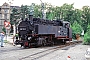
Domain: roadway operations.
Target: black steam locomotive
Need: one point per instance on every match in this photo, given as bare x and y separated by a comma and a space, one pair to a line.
41, 32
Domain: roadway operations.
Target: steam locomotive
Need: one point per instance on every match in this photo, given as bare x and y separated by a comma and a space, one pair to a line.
41, 32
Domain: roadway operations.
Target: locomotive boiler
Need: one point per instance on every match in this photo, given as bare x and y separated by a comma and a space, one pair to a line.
41, 32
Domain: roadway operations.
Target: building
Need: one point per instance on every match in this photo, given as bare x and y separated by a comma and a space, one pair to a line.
5, 11
4, 14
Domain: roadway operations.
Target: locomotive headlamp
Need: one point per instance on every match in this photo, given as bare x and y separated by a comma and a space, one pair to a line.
58, 31
29, 38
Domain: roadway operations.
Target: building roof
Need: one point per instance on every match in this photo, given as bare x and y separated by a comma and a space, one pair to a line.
5, 4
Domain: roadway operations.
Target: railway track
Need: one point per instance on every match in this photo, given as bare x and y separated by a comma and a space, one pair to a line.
48, 51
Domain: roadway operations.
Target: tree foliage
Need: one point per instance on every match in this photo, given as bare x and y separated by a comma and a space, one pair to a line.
87, 36
37, 11
14, 15
86, 17
76, 29
24, 11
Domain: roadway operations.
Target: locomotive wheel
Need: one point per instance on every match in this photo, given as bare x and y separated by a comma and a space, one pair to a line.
52, 43
36, 45
22, 44
44, 43
29, 45
63, 41
26, 44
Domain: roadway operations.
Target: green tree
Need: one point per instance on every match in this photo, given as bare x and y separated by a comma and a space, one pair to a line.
14, 15
77, 16
4, 30
86, 17
50, 11
24, 11
67, 11
87, 36
76, 29
37, 11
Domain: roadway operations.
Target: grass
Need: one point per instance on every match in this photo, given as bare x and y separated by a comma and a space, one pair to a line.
5, 41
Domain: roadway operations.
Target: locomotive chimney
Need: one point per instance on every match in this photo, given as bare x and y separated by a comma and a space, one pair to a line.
30, 17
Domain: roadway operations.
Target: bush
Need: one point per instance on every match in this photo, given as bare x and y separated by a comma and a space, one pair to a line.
76, 29
3, 29
87, 36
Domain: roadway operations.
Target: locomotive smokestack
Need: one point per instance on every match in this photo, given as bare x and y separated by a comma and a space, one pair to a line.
30, 17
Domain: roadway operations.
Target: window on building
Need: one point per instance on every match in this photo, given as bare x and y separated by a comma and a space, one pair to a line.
5, 16
0, 16
0, 9
6, 6
6, 11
